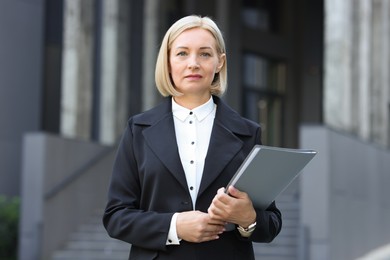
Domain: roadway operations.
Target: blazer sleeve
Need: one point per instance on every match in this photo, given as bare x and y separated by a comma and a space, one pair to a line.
268, 224
269, 221
123, 218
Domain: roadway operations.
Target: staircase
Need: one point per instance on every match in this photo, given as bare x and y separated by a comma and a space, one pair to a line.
91, 241
287, 244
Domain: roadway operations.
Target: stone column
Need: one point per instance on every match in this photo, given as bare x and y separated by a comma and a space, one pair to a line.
114, 69
363, 75
337, 78
357, 67
76, 96
380, 69
386, 74
22, 55
150, 50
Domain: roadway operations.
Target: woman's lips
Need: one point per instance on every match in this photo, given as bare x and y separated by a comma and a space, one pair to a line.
193, 76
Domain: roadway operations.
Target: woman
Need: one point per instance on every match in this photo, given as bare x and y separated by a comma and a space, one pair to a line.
166, 197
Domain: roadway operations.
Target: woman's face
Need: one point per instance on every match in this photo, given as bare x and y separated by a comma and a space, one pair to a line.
194, 61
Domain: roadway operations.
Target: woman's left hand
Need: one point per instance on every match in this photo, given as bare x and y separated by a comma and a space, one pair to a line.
234, 207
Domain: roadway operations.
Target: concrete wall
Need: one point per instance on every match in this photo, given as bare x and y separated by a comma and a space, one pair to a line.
356, 68
345, 195
64, 182
21, 55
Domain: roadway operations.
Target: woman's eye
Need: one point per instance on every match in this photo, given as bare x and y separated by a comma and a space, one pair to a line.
182, 53
205, 54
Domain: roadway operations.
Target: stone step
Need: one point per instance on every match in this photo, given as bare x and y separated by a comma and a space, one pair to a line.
265, 251
91, 228
285, 245
91, 241
97, 245
90, 236
288, 232
290, 205
90, 255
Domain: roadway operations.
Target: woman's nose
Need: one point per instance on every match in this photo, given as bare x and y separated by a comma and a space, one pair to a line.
193, 63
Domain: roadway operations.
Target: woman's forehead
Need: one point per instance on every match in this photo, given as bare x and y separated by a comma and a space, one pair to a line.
194, 36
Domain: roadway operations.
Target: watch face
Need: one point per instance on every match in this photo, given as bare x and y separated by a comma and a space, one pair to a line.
252, 226
246, 232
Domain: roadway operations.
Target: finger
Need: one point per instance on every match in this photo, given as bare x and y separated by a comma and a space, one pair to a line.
235, 192
219, 200
221, 190
212, 232
223, 199
215, 230
217, 221
217, 218
217, 205
213, 212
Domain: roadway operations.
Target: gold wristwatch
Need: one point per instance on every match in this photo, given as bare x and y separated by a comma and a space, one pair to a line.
246, 232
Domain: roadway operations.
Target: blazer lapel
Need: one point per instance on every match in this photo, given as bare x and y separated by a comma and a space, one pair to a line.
224, 143
160, 137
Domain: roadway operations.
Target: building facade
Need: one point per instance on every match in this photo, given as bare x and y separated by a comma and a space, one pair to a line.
88, 65
78, 69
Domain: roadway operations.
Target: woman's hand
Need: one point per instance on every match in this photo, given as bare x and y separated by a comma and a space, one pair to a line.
197, 226
234, 207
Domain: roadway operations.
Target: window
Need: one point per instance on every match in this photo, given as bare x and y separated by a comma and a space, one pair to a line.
264, 83
261, 15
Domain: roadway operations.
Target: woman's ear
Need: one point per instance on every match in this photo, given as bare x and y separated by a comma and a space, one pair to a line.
221, 62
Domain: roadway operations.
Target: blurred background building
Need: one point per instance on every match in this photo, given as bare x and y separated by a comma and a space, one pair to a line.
314, 73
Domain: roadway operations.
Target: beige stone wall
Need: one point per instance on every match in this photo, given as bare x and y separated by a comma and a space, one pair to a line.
76, 94
356, 76
78, 64
114, 70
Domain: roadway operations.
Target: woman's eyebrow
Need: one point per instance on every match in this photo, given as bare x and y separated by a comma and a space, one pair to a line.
201, 48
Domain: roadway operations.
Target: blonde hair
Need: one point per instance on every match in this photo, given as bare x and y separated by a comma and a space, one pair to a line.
162, 76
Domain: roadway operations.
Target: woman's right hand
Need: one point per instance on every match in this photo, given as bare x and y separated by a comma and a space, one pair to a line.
197, 226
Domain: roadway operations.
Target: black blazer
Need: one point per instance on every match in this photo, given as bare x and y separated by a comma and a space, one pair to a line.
148, 186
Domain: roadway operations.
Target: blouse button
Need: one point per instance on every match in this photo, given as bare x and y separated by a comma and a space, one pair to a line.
191, 188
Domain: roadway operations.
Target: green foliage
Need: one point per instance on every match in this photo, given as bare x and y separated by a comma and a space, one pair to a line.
9, 222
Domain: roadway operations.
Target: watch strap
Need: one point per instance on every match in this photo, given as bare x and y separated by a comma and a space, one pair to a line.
246, 232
